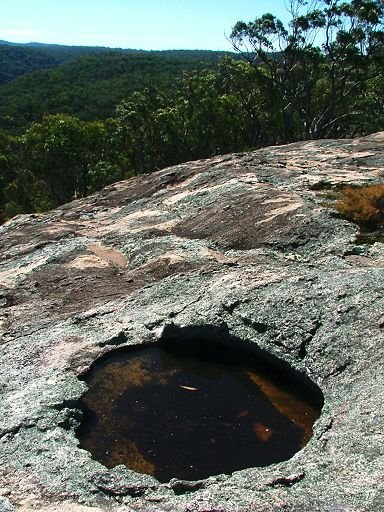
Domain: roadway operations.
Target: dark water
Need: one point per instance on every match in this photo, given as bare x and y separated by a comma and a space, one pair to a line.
172, 415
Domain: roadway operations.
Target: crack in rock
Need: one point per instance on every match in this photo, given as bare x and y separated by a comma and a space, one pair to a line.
286, 481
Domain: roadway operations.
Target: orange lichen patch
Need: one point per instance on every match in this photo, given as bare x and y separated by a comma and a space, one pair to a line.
270, 215
136, 222
107, 254
300, 412
190, 193
262, 432
59, 507
8, 278
87, 261
61, 354
163, 260
216, 256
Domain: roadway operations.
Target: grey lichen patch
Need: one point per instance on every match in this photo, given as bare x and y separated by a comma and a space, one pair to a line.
6, 506
120, 481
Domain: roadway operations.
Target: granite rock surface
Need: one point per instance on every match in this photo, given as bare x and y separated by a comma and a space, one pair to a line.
245, 244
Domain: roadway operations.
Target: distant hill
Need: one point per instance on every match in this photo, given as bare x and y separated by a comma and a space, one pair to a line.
17, 59
20, 59
38, 79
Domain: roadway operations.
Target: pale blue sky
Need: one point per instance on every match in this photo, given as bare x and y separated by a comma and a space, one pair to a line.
139, 24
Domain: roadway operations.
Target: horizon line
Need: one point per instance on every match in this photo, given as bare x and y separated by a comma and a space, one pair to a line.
38, 43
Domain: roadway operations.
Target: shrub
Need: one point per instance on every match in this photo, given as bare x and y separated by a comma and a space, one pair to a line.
363, 205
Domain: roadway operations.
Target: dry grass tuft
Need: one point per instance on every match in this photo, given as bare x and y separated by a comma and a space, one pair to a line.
363, 205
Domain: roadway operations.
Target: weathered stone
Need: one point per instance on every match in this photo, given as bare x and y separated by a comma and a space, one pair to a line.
243, 244
5, 505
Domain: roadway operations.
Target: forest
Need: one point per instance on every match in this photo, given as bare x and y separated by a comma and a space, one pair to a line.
74, 119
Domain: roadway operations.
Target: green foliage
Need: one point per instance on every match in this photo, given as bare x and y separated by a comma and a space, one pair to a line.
206, 113
91, 85
26, 193
371, 104
55, 161
318, 65
209, 114
70, 156
19, 59
7, 173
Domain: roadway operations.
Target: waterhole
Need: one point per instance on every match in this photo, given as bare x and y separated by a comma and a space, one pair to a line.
195, 409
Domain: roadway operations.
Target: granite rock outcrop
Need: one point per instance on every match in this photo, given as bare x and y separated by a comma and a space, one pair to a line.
245, 244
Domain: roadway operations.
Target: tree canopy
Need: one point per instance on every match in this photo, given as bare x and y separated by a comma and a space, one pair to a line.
317, 65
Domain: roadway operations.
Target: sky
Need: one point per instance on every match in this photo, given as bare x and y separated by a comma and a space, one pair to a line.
137, 24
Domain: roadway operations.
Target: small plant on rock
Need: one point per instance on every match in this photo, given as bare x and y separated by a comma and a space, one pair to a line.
363, 205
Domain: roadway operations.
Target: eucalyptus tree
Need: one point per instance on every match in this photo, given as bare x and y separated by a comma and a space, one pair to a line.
316, 66
140, 127
253, 121
206, 113
7, 170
